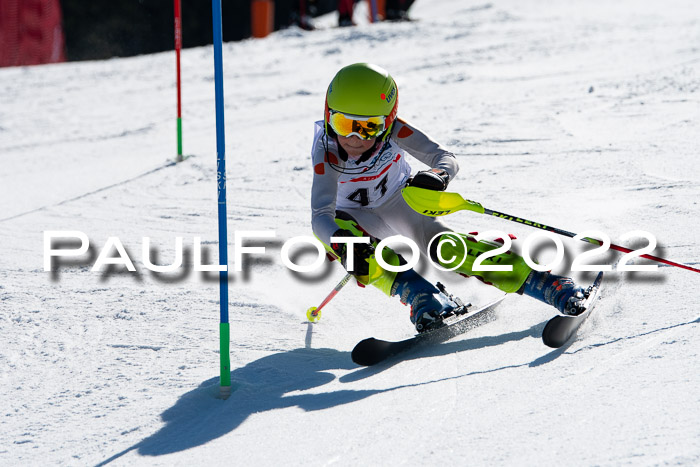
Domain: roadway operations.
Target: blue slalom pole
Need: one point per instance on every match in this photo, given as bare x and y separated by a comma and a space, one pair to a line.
224, 339
373, 11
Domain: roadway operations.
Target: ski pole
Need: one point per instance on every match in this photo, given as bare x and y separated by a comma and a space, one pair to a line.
440, 203
314, 313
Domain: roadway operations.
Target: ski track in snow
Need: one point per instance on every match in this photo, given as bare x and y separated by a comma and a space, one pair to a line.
581, 114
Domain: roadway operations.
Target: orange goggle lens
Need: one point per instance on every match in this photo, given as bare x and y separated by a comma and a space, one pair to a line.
364, 127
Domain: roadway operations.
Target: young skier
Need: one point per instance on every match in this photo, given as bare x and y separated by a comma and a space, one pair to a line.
359, 170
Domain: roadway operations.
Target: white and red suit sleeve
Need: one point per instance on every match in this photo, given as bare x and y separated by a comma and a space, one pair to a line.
424, 148
324, 188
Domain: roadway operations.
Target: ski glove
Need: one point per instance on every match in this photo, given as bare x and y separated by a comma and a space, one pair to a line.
361, 253
434, 179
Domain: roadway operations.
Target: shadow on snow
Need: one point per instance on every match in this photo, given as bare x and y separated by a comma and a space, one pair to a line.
271, 382
199, 416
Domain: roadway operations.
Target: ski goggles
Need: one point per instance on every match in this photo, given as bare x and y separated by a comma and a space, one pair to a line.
364, 127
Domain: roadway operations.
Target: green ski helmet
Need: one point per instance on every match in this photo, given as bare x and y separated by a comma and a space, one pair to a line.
363, 89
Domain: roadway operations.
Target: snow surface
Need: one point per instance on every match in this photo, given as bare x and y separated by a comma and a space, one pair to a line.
585, 115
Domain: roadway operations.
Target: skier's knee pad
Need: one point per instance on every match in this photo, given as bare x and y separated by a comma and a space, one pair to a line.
378, 276
459, 251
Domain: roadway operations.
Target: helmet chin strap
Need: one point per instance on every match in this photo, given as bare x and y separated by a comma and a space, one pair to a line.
371, 151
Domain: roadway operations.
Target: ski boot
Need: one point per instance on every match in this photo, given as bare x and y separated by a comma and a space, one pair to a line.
558, 291
429, 305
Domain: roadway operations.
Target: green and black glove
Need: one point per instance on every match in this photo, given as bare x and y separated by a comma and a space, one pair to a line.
434, 179
361, 253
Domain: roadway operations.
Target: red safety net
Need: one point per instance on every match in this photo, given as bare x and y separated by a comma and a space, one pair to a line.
31, 32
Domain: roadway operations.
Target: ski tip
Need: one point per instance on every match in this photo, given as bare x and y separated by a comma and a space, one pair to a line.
554, 339
365, 352
561, 328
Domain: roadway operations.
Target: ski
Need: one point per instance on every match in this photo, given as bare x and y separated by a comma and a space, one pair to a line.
561, 328
372, 351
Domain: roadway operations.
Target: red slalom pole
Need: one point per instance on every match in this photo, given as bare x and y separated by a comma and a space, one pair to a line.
178, 48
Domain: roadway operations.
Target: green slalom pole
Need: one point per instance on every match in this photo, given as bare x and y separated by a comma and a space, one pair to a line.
180, 158
225, 361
